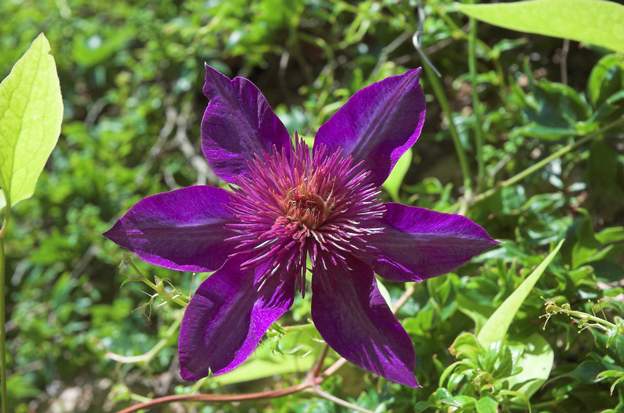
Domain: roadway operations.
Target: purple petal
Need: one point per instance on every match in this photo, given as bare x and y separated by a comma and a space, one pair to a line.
354, 320
227, 317
238, 123
378, 124
181, 230
418, 243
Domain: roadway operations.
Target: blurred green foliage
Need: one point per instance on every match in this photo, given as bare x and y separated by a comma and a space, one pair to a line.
131, 76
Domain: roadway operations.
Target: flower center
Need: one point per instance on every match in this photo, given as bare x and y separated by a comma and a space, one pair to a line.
306, 207
296, 205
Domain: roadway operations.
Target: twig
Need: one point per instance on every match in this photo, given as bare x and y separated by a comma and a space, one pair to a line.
323, 394
389, 48
219, 398
564, 61
95, 111
151, 353
163, 136
204, 174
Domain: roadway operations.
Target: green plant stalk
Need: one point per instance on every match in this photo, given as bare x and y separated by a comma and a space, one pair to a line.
3, 385
588, 317
438, 91
539, 165
531, 169
476, 105
160, 291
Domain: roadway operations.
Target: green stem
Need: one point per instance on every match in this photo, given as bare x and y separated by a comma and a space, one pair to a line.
159, 290
531, 169
3, 384
476, 106
438, 91
584, 316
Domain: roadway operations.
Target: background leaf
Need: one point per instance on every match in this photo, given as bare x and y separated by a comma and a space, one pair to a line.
595, 22
31, 111
497, 325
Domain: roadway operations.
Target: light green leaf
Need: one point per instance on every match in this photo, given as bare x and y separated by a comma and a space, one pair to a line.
384, 292
596, 22
31, 111
606, 78
487, 405
293, 352
394, 181
536, 362
610, 235
497, 325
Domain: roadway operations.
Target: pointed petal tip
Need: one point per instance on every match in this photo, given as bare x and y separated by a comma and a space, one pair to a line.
378, 123
182, 230
237, 124
354, 319
227, 318
411, 382
419, 243
112, 232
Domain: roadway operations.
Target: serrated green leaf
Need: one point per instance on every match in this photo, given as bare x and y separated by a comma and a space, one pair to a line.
596, 22
497, 325
394, 181
31, 111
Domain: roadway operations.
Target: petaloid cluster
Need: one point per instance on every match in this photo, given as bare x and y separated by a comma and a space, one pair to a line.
294, 205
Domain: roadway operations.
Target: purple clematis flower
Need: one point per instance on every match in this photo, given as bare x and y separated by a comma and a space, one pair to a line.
292, 208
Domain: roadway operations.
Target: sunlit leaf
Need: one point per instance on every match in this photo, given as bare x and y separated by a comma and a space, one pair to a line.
31, 111
497, 325
487, 405
606, 78
384, 292
610, 235
596, 22
536, 362
394, 181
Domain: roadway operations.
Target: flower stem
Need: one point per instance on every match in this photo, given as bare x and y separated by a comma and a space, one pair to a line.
438, 91
476, 106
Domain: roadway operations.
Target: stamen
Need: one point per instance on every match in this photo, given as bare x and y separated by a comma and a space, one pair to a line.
295, 205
